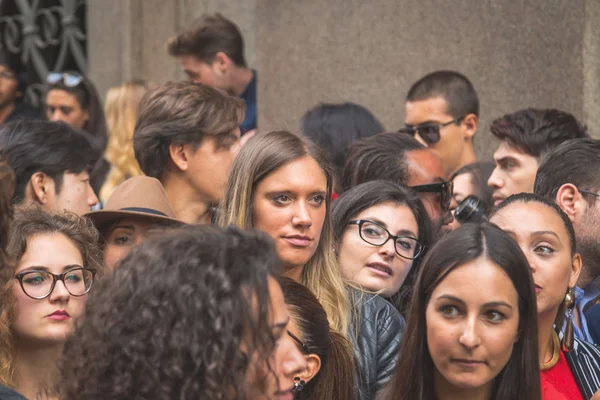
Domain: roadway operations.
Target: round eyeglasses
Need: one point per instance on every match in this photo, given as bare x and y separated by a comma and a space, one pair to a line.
39, 284
373, 233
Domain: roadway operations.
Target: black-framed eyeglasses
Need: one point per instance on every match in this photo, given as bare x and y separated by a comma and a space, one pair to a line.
69, 80
375, 234
444, 188
590, 193
39, 284
430, 133
299, 342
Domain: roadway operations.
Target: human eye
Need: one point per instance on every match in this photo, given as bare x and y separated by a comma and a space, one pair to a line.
449, 311
35, 278
372, 230
66, 110
281, 199
543, 249
495, 316
405, 243
120, 237
318, 199
74, 276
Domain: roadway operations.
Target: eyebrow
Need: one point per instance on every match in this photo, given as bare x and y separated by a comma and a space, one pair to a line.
486, 305
130, 227
280, 326
401, 232
428, 122
42, 268
535, 233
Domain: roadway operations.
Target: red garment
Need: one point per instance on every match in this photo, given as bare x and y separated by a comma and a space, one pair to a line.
558, 382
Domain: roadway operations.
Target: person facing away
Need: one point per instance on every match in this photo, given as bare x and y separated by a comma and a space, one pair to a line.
51, 162
186, 136
526, 136
442, 112
211, 51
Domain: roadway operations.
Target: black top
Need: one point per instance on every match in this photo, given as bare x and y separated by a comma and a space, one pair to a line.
9, 394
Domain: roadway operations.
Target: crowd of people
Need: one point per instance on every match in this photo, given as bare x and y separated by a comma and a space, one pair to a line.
164, 247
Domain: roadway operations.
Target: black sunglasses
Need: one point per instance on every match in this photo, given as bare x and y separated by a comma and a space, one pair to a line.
69, 80
430, 133
443, 188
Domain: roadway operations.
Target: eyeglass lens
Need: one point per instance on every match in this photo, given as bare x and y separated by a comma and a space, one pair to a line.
39, 284
429, 133
376, 235
69, 80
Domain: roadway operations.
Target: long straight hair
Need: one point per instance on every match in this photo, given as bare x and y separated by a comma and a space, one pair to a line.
520, 378
262, 156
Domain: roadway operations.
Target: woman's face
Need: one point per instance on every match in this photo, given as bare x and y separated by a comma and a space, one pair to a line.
542, 236
122, 237
64, 106
289, 205
285, 363
378, 268
470, 332
463, 187
51, 319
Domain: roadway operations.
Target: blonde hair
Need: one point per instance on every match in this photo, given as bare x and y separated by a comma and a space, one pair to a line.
121, 109
259, 158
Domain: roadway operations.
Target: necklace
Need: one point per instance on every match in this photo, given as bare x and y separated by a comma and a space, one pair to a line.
555, 353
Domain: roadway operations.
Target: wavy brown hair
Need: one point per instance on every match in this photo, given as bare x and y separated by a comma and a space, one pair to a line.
171, 322
29, 221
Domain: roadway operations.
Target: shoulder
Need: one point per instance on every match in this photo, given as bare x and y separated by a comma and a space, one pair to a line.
374, 309
9, 394
586, 349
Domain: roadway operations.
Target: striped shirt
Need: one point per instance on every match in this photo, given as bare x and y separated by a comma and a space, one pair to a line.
584, 360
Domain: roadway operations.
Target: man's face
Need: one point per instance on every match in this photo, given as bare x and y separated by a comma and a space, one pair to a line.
75, 195
8, 87
587, 231
453, 137
200, 72
209, 165
425, 167
514, 173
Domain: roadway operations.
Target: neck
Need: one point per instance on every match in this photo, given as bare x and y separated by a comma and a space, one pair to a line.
36, 369
445, 391
240, 79
6, 111
188, 207
545, 328
468, 157
294, 272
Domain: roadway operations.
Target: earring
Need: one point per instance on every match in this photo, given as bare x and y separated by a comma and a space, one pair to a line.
569, 337
298, 384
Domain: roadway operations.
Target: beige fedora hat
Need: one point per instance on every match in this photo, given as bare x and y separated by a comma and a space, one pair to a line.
140, 196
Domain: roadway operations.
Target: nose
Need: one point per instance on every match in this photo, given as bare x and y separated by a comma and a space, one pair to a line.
469, 336
388, 249
302, 215
92, 198
495, 181
60, 293
531, 262
54, 116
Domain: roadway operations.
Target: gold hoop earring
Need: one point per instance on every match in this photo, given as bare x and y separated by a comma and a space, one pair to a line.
569, 337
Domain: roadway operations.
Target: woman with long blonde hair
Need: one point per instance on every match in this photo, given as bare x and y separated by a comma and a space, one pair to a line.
281, 183
121, 111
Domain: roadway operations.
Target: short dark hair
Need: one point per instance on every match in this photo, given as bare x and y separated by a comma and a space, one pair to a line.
208, 35
537, 132
335, 126
480, 173
41, 146
379, 157
200, 293
370, 194
452, 86
181, 113
13, 63
575, 161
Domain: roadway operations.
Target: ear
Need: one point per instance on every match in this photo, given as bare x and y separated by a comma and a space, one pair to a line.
470, 124
179, 155
570, 201
313, 366
40, 189
576, 270
86, 115
221, 62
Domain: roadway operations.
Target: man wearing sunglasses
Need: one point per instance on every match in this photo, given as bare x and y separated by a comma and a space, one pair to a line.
13, 82
442, 111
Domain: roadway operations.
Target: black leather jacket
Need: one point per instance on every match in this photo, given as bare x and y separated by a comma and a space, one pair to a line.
376, 341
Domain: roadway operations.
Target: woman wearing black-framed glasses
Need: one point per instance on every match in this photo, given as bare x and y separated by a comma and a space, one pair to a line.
43, 294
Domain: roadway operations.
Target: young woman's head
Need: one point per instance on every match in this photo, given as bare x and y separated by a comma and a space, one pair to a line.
281, 183
472, 321
121, 108
546, 236
380, 232
56, 258
206, 319
329, 356
73, 99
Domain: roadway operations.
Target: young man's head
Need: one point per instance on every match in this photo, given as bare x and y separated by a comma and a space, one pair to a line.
12, 80
526, 136
442, 111
402, 160
210, 51
51, 163
570, 176
189, 132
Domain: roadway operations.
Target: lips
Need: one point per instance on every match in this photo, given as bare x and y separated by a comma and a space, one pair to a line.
466, 362
538, 288
497, 200
59, 315
298, 240
381, 269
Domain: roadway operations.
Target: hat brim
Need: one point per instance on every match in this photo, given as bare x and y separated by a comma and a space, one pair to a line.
102, 218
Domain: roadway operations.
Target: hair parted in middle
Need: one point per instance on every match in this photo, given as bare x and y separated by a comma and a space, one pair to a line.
520, 377
197, 320
260, 157
181, 113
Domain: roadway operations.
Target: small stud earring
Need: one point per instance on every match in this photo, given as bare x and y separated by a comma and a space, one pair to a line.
298, 384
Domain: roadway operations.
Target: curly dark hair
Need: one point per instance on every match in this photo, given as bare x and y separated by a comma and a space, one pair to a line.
170, 322
7, 188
